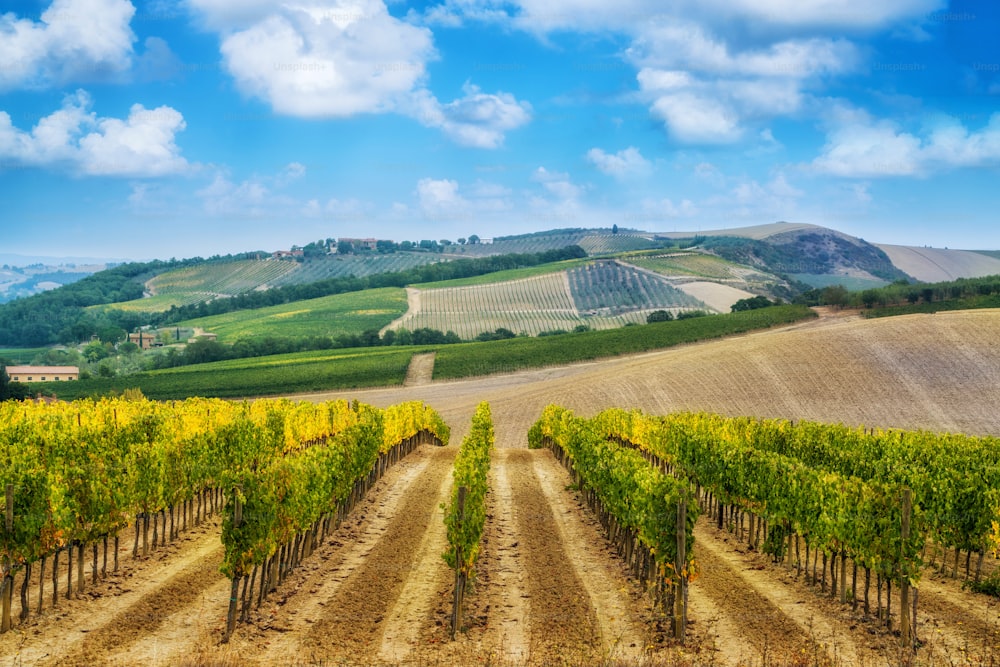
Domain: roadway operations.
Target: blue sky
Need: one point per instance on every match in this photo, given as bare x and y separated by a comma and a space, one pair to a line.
175, 128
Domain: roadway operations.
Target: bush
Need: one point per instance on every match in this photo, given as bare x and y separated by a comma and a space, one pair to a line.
659, 316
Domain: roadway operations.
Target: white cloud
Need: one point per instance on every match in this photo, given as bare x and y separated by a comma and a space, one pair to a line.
328, 60
704, 93
323, 59
76, 139
827, 13
865, 148
557, 184
478, 119
695, 118
621, 164
223, 197
74, 40
293, 171
440, 201
541, 16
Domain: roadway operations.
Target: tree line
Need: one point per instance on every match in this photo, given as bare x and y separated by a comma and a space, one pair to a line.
905, 293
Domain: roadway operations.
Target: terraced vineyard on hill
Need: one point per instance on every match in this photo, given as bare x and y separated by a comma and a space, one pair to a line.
604, 295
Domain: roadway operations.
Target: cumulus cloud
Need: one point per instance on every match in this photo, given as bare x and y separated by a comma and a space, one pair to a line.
74, 40
624, 163
866, 148
440, 201
478, 119
323, 59
76, 139
328, 60
704, 92
557, 184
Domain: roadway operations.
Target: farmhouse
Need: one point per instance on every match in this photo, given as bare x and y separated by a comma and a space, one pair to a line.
43, 373
361, 244
143, 339
287, 254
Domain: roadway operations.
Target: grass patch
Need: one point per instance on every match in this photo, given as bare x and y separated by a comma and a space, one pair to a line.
260, 376
509, 274
819, 281
472, 359
967, 303
21, 355
350, 313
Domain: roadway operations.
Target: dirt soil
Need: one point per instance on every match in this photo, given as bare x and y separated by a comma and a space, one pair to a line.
549, 588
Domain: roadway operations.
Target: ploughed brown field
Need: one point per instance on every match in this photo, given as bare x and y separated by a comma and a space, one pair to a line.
550, 589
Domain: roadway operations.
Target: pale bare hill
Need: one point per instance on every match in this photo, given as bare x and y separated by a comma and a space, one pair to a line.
717, 296
937, 372
938, 265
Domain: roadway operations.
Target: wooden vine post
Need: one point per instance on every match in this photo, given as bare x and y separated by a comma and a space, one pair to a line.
905, 633
234, 593
456, 609
8, 577
680, 564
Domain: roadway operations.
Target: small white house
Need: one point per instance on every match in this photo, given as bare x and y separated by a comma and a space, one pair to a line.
43, 373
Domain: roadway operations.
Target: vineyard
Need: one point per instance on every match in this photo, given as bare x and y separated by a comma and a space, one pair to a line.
77, 474
359, 266
303, 532
608, 288
213, 280
601, 295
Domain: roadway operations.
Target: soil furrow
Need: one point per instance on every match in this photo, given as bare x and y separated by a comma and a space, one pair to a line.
603, 578
412, 612
776, 624
351, 628
144, 618
279, 626
101, 606
561, 616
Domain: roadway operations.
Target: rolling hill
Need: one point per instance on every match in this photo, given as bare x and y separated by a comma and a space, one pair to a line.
711, 270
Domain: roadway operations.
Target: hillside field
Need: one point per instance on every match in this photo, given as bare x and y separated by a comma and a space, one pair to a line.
550, 590
351, 313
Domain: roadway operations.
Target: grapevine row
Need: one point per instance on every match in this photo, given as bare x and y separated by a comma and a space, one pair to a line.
870, 522
465, 516
648, 513
75, 474
955, 478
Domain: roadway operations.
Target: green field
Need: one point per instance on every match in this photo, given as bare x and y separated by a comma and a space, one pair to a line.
21, 355
261, 376
505, 276
506, 356
351, 313
849, 282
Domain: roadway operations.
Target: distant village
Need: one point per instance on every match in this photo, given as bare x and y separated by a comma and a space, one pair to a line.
350, 246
